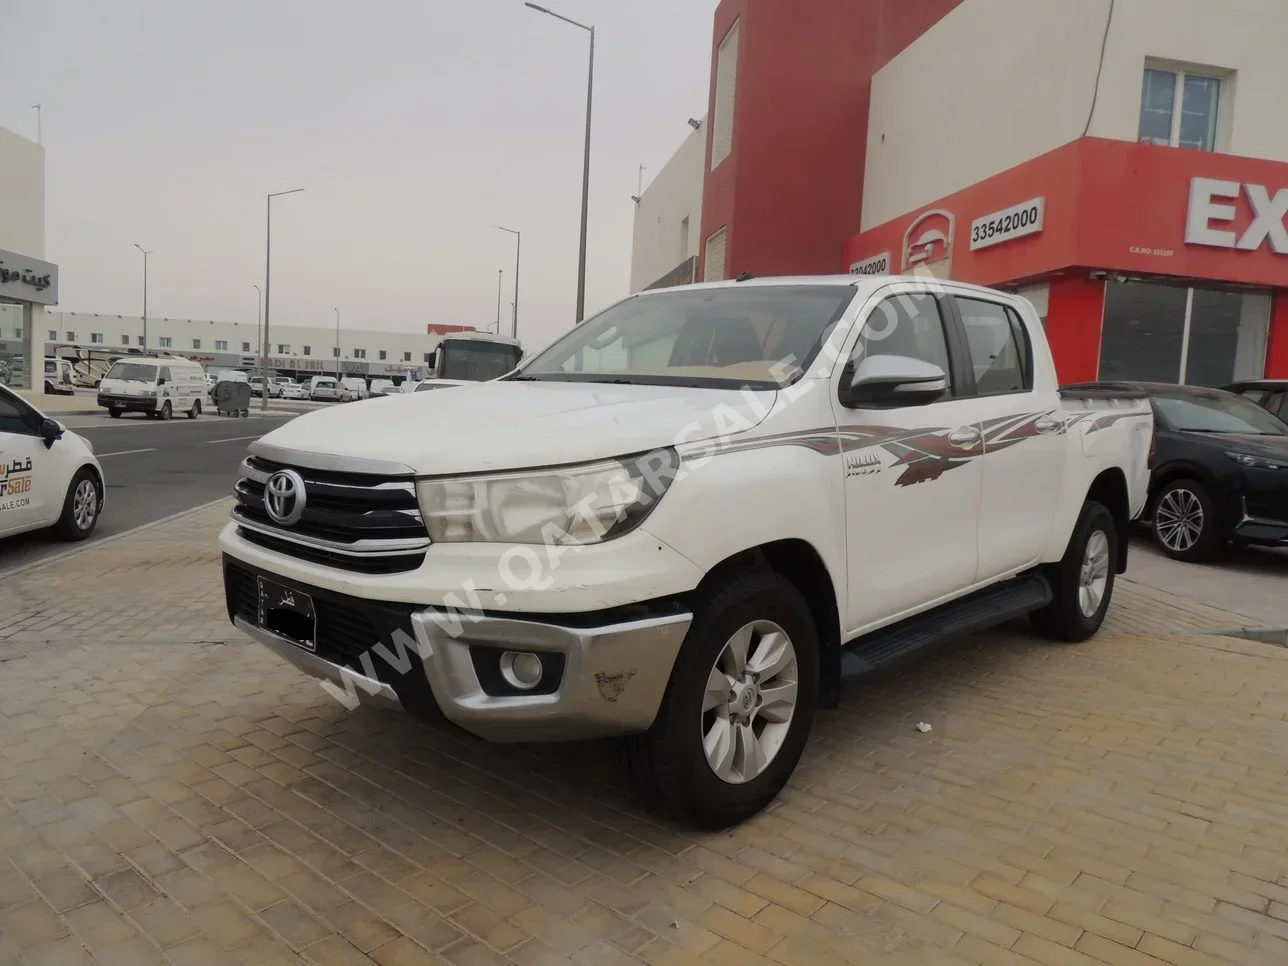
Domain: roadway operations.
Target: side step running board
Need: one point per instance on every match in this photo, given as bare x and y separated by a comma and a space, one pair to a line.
972, 614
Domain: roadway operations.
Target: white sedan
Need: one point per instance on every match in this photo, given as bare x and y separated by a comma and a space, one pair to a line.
48, 474
293, 390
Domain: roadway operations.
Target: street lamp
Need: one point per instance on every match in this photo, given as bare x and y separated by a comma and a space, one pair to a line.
500, 274
585, 174
518, 249
259, 316
268, 288
145, 296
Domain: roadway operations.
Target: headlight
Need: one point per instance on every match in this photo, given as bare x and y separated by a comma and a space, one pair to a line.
1258, 462
147, 392
569, 505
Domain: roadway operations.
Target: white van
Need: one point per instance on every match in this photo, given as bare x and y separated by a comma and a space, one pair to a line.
157, 387
324, 387
353, 388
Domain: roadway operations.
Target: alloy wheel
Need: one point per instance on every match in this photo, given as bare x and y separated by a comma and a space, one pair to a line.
1178, 520
750, 699
1094, 576
85, 504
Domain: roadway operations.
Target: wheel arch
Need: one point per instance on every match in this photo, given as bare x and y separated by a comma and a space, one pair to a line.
1110, 490
801, 563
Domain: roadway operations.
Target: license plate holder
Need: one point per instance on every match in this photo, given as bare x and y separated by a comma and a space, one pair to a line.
288, 613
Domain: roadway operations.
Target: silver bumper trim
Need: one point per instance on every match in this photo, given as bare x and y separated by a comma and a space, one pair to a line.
367, 690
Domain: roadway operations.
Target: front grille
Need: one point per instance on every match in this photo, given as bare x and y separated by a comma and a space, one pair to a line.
351, 521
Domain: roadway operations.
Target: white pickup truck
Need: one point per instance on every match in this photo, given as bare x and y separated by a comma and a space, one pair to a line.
685, 521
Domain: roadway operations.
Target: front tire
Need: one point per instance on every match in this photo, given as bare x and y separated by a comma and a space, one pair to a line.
1184, 522
195, 411
167, 411
738, 708
114, 413
1083, 581
80, 508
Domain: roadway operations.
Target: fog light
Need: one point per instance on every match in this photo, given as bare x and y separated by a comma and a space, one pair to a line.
521, 669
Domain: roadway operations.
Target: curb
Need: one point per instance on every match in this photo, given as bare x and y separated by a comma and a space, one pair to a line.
94, 544
1264, 635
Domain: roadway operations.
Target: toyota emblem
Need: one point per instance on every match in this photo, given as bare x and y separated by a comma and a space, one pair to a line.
284, 497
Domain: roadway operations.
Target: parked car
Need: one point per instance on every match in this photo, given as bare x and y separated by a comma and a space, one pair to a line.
59, 377
836, 472
293, 390
160, 387
324, 389
381, 387
1270, 394
48, 474
257, 387
1220, 472
353, 388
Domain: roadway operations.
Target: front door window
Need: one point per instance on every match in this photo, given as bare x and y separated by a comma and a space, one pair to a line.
1192, 336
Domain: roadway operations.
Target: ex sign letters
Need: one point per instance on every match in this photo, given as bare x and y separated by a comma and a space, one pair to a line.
1212, 203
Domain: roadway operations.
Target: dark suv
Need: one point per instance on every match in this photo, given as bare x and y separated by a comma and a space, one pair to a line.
1220, 472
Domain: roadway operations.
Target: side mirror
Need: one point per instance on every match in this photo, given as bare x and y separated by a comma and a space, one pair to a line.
889, 381
50, 431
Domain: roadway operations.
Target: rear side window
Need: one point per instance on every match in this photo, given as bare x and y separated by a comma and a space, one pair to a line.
1257, 396
1276, 405
999, 347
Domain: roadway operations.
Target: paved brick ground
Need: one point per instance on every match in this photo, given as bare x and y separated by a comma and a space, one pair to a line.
170, 794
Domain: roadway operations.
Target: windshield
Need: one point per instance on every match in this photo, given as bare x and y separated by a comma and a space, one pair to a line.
132, 372
427, 386
760, 336
476, 361
1218, 413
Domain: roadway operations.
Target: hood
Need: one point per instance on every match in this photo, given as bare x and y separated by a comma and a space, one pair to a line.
1269, 446
494, 426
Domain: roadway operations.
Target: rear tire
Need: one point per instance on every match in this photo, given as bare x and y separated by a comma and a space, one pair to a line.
669, 763
1082, 582
195, 411
1184, 522
80, 507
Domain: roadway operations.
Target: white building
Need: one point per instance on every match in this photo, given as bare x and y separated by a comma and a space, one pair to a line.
664, 249
27, 282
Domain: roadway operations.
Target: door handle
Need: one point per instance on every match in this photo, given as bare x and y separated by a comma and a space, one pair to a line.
965, 437
1047, 425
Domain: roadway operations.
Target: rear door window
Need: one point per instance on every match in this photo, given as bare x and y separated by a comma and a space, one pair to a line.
999, 347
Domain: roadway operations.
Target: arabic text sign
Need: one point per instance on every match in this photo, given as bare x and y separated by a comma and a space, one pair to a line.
28, 279
15, 477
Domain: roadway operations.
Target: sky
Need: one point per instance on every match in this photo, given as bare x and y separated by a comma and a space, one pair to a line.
412, 125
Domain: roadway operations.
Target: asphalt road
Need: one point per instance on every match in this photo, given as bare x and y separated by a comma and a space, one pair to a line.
153, 469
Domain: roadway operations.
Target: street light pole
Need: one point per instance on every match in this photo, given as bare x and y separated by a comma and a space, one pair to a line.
518, 250
40, 134
259, 317
337, 346
500, 275
585, 173
268, 289
145, 296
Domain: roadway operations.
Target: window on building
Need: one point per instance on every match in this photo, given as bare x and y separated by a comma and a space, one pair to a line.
308, 350
726, 89
684, 238
335, 352
53, 336
283, 349
221, 345
715, 260
1197, 337
125, 340
245, 347
196, 343
360, 353
165, 342
406, 357
17, 332
999, 347
383, 355
96, 337
1179, 108
71, 336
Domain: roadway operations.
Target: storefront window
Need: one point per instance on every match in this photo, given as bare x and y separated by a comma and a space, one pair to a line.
1167, 333
13, 347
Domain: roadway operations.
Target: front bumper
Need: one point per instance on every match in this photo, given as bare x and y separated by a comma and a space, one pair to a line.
608, 672
133, 404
